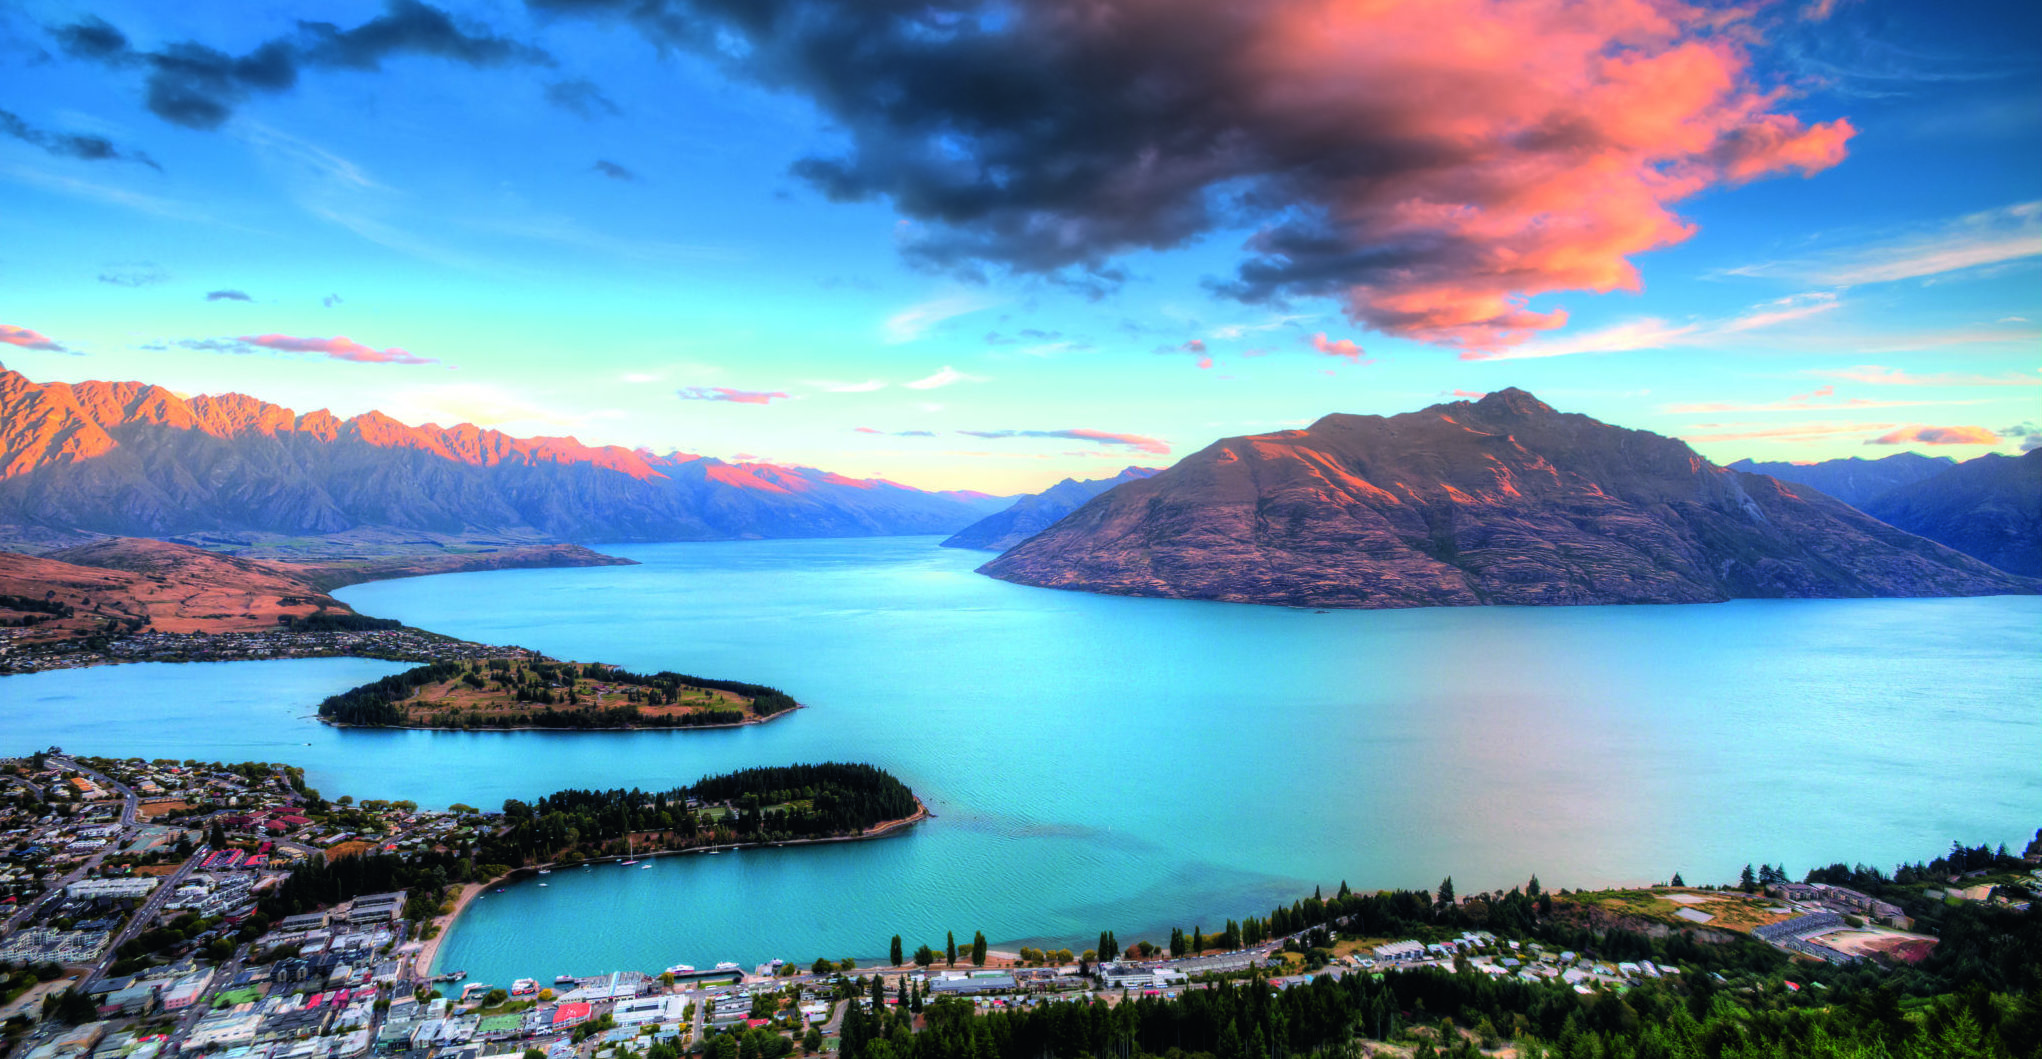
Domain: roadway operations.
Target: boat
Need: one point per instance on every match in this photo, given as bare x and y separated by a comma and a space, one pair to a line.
681, 968
565, 979
641, 867
631, 857
728, 966
542, 884
545, 871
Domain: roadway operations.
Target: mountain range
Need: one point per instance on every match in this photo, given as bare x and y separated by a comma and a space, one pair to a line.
1854, 480
1036, 512
1989, 507
128, 458
1499, 501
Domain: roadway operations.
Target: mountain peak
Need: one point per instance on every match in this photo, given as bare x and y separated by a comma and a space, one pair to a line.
1514, 401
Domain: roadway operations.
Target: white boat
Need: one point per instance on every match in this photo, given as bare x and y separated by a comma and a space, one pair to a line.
545, 871
542, 884
681, 968
641, 867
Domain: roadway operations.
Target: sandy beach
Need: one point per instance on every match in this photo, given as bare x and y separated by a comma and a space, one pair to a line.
446, 923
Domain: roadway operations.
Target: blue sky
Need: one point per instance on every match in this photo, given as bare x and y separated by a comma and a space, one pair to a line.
594, 218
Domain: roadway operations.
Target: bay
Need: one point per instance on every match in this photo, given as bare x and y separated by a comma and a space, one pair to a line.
1108, 763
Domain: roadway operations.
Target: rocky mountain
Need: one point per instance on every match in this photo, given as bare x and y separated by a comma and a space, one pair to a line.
128, 458
1989, 508
1855, 480
1034, 513
1501, 501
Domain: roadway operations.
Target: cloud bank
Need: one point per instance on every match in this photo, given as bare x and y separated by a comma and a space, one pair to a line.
1431, 181
337, 348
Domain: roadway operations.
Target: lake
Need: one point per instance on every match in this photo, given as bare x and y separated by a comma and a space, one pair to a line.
1131, 764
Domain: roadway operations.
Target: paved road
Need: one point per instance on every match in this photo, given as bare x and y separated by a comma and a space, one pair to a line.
143, 916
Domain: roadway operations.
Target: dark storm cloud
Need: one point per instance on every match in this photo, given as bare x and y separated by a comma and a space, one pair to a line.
228, 296
579, 95
198, 86
1433, 181
613, 170
70, 144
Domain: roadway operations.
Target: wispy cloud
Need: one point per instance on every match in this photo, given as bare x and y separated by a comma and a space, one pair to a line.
141, 274
829, 386
916, 320
613, 170
25, 338
1878, 375
726, 394
894, 433
1795, 432
1937, 436
228, 296
1988, 238
944, 377
1652, 333
337, 348
1139, 442
1813, 401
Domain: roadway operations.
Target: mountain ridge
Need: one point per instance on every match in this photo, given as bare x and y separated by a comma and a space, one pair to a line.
1501, 501
1989, 508
134, 459
1036, 512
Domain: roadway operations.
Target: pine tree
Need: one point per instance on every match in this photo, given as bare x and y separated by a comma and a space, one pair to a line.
978, 949
1747, 880
1677, 881
1446, 892
950, 948
894, 951
1531, 889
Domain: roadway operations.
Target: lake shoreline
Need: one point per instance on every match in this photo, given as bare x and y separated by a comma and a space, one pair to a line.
447, 923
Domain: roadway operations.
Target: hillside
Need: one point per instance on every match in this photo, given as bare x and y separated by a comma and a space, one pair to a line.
150, 584
1989, 508
1501, 501
126, 585
1854, 480
1034, 513
130, 459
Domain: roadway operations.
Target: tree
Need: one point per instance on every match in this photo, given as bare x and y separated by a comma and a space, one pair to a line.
821, 966
894, 952
950, 948
1446, 892
1747, 880
925, 956
978, 949
494, 998
1677, 880
1531, 889
811, 1042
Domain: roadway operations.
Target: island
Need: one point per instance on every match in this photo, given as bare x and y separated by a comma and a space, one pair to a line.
531, 691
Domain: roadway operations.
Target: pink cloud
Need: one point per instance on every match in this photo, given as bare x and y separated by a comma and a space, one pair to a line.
1205, 362
1470, 395
1546, 149
338, 348
726, 394
1139, 442
867, 430
1937, 436
28, 339
1345, 347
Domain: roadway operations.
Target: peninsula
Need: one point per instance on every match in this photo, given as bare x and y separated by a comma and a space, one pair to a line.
128, 599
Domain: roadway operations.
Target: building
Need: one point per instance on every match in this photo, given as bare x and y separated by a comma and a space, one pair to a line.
570, 1015
118, 889
638, 1012
1398, 951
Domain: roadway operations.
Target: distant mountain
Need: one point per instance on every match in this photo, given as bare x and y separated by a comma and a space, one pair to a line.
1855, 480
132, 459
1502, 501
1032, 514
1989, 508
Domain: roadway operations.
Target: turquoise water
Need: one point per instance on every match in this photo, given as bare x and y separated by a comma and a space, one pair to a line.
1099, 763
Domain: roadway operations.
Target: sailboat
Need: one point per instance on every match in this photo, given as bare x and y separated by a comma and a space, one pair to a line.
631, 857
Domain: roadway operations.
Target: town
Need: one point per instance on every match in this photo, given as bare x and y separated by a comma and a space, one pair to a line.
161, 908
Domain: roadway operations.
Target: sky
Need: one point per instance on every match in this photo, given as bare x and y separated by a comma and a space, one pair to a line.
989, 245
